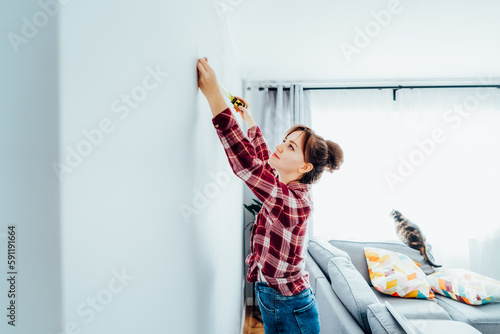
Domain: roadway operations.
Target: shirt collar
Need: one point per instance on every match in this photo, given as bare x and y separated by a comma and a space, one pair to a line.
294, 185
299, 186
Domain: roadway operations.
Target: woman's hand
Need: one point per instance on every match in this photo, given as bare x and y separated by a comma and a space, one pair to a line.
244, 112
207, 81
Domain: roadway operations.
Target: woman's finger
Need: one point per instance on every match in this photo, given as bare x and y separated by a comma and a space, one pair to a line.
201, 67
239, 98
205, 63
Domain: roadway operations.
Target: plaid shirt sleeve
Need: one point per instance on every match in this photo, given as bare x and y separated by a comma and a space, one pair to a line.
249, 161
257, 139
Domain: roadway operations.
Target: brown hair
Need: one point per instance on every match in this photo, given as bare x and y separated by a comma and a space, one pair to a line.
322, 154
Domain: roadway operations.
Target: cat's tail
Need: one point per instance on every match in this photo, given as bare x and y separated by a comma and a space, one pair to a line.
423, 250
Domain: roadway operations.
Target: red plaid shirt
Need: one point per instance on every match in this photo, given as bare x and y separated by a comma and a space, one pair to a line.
278, 235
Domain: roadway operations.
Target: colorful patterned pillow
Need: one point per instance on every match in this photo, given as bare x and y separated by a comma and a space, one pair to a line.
465, 286
396, 274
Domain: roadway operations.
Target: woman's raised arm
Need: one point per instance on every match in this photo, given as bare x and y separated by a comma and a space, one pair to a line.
207, 81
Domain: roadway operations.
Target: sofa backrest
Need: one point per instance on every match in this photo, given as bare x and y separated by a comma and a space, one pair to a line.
322, 251
356, 252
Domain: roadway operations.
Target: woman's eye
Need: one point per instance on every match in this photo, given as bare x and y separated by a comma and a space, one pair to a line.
288, 145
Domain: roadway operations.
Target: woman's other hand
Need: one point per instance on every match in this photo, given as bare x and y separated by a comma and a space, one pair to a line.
245, 113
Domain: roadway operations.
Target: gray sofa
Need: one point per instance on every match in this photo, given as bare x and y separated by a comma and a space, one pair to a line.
348, 303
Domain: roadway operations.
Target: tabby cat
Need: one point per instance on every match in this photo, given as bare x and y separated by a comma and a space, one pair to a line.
410, 234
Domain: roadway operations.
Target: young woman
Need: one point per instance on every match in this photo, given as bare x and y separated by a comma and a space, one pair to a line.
282, 182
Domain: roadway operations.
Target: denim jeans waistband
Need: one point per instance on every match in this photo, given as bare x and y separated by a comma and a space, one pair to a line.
263, 286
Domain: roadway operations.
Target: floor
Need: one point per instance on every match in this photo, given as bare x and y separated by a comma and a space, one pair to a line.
253, 322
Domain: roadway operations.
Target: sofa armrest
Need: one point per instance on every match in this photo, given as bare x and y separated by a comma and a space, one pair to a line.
334, 317
314, 271
381, 320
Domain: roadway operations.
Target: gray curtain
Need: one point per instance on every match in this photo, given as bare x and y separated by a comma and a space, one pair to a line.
277, 111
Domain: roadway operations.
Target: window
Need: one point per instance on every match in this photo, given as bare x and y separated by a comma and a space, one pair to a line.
433, 154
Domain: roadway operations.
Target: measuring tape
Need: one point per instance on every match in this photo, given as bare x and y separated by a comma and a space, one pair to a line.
236, 102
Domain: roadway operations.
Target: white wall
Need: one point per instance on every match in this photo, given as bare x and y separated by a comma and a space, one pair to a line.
130, 261
29, 192
366, 39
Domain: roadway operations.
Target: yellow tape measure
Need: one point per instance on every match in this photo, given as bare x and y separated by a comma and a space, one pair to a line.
236, 102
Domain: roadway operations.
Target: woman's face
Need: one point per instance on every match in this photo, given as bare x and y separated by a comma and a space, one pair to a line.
289, 157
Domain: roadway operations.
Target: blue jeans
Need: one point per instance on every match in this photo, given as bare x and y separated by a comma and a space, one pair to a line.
297, 314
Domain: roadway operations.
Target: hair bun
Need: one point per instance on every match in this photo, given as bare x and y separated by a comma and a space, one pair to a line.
335, 156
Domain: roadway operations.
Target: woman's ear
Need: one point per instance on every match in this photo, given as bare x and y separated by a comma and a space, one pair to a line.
306, 168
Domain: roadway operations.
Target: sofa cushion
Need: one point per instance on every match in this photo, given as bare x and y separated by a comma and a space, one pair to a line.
322, 252
414, 308
351, 289
465, 286
396, 274
485, 318
443, 326
429, 326
356, 252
